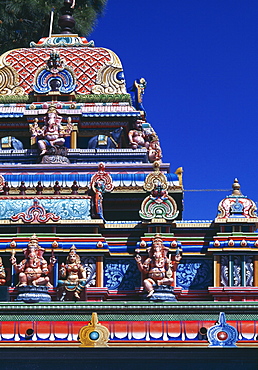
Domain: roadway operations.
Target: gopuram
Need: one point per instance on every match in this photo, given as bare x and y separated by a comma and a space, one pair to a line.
94, 250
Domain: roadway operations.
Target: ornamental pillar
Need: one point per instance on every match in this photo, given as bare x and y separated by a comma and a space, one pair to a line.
99, 272
74, 135
217, 269
255, 273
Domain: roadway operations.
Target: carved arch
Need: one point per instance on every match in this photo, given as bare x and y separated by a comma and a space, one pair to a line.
9, 78
107, 81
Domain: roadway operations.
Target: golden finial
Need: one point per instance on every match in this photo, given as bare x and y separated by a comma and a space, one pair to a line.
236, 188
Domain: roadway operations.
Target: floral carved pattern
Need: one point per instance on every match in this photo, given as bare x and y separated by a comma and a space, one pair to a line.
110, 78
89, 265
9, 79
121, 274
35, 213
155, 178
194, 274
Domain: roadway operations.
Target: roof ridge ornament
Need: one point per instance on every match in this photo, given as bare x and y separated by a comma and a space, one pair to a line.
158, 205
62, 41
55, 77
155, 178
66, 21
236, 188
222, 334
66, 37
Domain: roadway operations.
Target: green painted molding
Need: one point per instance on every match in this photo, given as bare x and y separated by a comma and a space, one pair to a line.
88, 98
103, 98
11, 99
128, 311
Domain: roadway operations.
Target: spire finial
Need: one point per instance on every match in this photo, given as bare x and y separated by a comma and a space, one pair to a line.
66, 20
236, 188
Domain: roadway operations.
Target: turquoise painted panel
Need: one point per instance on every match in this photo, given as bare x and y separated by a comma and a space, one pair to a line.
66, 209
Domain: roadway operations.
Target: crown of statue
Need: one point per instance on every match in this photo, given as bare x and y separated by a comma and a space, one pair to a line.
52, 109
157, 238
154, 137
34, 237
73, 249
54, 54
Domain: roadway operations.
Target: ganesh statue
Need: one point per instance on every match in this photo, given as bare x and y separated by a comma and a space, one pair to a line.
33, 273
158, 270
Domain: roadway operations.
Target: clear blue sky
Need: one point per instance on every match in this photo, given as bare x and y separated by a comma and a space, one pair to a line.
200, 59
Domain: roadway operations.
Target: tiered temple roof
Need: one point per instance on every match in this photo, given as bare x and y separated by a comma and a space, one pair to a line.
96, 191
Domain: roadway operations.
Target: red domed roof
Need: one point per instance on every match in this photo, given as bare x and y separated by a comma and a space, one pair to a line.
96, 69
86, 62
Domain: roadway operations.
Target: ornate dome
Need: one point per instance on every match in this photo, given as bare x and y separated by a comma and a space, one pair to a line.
89, 69
236, 205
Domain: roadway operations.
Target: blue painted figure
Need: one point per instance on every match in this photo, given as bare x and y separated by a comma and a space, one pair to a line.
10, 142
136, 92
99, 189
106, 142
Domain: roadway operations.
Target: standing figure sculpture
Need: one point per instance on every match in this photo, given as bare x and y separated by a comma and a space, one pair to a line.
34, 269
99, 190
2, 273
52, 134
72, 274
158, 267
137, 91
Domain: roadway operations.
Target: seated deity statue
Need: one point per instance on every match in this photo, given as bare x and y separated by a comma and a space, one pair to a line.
137, 136
158, 194
141, 137
34, 269
72, 274
52, 133
158, 268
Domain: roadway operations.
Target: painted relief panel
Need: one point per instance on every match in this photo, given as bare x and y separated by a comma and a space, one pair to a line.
121, 274
66, 209
237, 270
138, 331
194, 274
89, 265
